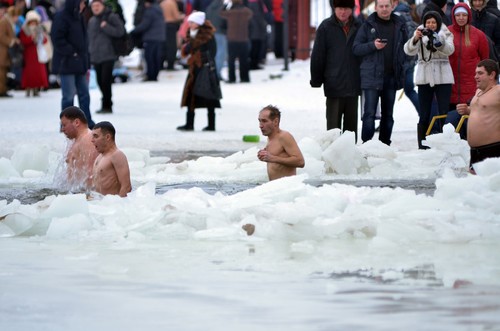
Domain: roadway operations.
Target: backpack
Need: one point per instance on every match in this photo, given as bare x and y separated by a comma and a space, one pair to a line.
123, 45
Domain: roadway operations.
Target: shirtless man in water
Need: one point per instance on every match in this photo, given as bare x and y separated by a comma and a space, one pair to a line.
111, 173
81, 153
281, 153
483, 128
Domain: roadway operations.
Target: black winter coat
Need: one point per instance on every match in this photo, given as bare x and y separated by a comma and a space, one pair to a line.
372, 62
69, 37
333, 64
489, 24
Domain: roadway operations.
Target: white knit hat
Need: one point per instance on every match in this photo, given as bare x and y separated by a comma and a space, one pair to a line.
460, 10
32, 16
197, 17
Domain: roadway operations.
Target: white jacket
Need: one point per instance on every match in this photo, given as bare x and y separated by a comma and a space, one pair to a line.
437, 70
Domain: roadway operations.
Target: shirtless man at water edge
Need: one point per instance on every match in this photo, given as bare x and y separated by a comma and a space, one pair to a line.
483, 128
282, 154
81, 153
111, 173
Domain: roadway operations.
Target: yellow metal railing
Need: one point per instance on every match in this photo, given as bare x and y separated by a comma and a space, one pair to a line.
434, 118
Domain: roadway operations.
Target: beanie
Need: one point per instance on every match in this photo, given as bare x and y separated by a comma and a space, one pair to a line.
197, 17
439, 3
343, 4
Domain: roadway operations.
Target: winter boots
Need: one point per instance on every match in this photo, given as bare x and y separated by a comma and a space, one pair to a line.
189, 126
421, 130
211, 120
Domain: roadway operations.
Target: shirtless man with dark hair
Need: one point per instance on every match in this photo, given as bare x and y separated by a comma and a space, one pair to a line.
483, 128
282, 154
81, 152
111, 173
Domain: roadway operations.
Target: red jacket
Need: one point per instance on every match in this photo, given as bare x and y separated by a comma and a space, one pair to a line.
465, 58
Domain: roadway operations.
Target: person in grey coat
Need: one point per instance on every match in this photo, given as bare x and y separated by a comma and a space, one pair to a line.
102, 27
152, 30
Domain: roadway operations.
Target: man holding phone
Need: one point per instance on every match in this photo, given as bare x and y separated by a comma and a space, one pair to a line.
379, 42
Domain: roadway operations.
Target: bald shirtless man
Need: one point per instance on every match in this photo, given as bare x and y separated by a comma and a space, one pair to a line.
111, 173
483, 128
281, 153
81, 153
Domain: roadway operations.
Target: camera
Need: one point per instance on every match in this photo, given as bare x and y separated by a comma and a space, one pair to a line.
433, 39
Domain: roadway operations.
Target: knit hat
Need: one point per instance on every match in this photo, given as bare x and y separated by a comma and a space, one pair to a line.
436, 16
101, 1
439, 3
32, 16
343, 4
459, 10
197, 17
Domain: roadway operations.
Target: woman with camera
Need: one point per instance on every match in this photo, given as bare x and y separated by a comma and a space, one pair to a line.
433, 43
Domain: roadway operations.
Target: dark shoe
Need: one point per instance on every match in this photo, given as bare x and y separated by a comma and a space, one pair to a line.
104, 111
208, 128
36, 92
230, 82
185, 128
5, 95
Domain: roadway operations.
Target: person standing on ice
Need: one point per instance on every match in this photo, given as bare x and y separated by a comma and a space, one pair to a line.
483, 128
81, 153
282, 154
111, 174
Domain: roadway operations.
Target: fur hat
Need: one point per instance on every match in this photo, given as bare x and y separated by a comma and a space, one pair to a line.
439, 3
343, 3
197, 17
32, 16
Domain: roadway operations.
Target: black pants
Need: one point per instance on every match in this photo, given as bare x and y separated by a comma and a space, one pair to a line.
346, 108
480, 153
171, 44
153, 56
238, 50
104, 77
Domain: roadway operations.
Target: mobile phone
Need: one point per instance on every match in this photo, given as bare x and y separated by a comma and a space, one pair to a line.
383, 41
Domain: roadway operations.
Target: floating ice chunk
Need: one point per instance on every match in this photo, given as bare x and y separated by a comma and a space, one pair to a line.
67, 205
310, 148
7, 169
376, 148
137, 158
327, 138
68, 226
33, 157
343, 157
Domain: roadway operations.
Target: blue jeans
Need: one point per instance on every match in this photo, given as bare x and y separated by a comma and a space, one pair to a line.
454, 117
72, 85
220, 56
387, 97
409, 88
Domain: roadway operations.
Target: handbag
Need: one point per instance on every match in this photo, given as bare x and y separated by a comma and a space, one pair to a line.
43, 57
206, 84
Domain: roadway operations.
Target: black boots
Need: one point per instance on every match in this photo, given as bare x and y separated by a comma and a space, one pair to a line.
211, 120
421, 130
189, 126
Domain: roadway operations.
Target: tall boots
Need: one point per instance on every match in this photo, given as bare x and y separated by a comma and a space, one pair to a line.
421, 130
189, 126
211, 120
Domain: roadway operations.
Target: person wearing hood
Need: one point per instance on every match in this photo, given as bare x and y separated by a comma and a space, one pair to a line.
7, 40
34, 75
492, 7
200, 49
71, 58
440, 7
486, 22
152, 30
103, 26
471, 46
432, 42
334, 66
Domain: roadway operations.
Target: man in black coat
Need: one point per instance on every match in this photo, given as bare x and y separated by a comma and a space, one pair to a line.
486, 22
71, 58
334, 66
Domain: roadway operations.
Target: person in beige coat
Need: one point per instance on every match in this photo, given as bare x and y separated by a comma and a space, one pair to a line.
433, 43
7, 40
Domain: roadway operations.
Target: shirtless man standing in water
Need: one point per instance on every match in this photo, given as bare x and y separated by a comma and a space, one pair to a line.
111, 173
483, 128
281, 153
81, 153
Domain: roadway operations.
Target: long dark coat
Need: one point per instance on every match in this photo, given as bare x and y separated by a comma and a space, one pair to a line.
198, 49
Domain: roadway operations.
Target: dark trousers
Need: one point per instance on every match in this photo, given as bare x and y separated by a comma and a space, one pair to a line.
426, 95
238, 50
387, 97
255, 53
278, 40
104, 77
153, 57
171, 44
3, 80
346, 108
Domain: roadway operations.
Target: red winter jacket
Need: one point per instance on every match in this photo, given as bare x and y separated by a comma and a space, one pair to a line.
465, 58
